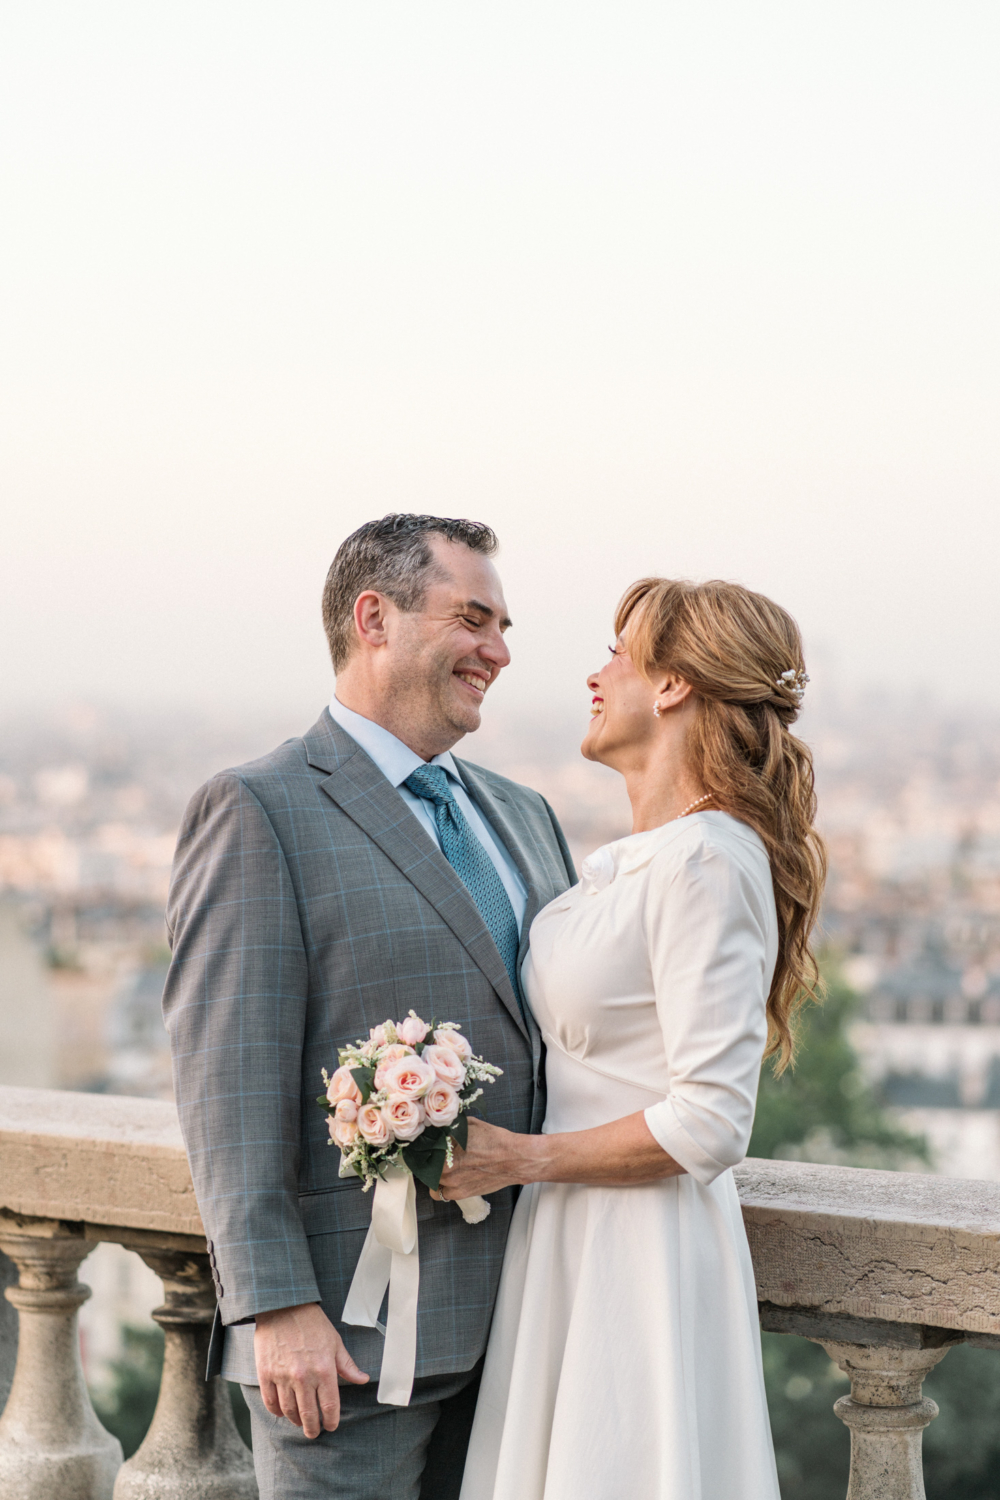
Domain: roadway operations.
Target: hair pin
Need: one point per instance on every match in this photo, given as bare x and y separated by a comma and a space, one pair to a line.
793, 681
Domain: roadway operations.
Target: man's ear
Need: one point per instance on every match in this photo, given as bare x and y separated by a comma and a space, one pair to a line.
370, 611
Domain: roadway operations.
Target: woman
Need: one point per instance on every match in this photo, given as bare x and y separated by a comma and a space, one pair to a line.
625, 1355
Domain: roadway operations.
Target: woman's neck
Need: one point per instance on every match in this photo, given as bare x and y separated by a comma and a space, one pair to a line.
660, 789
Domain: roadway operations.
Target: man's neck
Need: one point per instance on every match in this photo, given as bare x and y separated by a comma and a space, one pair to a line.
424, 744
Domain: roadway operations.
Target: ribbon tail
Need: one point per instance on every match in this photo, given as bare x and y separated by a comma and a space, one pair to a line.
390, 1257
371, 1277
399, 1359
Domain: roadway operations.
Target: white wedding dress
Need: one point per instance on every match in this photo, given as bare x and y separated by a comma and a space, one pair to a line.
624, 1361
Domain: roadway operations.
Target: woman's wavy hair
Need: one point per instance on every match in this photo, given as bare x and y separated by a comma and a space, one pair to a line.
733, 647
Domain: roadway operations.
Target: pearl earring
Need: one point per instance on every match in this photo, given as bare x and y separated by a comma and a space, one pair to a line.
657, 710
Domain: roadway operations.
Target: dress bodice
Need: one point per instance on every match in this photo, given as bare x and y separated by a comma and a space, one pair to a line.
649, 981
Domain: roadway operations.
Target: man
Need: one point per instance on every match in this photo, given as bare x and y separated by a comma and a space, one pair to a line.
347, 877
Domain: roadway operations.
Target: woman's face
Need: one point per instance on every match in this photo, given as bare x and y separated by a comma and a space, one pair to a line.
622, 715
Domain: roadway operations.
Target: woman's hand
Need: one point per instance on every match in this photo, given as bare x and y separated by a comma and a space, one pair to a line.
494, 1159
621, 1154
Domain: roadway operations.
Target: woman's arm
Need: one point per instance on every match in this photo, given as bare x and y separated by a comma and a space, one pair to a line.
616, 1155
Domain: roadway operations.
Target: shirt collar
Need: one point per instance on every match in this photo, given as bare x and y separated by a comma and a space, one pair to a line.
395, 760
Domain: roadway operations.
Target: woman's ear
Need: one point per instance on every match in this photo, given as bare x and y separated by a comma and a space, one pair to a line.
671, 690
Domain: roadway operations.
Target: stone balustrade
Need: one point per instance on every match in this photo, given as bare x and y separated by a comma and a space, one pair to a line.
76, 1169
886, 1270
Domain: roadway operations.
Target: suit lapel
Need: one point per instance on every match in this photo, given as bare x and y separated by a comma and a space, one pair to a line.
360, 790
512, 829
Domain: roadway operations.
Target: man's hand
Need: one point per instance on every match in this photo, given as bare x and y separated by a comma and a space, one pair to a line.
300, 1356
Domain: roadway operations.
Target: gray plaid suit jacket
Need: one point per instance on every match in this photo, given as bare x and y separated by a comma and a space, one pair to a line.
307, 904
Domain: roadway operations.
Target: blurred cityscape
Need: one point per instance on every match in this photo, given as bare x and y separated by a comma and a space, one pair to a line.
90, 801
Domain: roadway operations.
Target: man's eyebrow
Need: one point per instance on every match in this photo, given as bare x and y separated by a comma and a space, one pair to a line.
485, 609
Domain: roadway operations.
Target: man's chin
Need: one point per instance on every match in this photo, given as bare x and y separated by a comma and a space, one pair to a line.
465, 717
468, 721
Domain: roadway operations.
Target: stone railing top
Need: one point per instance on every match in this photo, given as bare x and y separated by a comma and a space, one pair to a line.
890, 1246
859, 1195
899, 1247
95, 1158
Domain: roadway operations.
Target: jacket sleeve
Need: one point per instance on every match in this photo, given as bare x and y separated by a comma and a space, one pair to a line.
234, 1006
707, 927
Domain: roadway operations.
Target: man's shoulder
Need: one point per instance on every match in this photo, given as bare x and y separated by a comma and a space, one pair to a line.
306, 756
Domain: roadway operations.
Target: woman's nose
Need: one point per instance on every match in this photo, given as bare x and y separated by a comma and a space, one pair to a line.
592, 682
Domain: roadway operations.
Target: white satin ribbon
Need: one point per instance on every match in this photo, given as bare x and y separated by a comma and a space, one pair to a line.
390, 1257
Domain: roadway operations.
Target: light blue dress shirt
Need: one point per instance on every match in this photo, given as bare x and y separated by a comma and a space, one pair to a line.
396, 761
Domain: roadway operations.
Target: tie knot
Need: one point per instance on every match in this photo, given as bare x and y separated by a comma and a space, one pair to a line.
430, 782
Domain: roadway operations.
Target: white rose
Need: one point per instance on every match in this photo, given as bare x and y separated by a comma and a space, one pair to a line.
455, 1040
413, 1030
404, 1117
409, 1076
390, 1055
441, 1104
372, 1126
446, 1063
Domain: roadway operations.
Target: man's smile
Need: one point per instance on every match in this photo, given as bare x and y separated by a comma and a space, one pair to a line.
477, 681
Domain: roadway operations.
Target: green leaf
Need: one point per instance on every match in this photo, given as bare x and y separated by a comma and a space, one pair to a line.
428, 1170
425, 1156
365, 1079
322, 1099
459, 1131
429, 1140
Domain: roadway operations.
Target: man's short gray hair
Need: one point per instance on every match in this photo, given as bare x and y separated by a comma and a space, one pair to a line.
392, 557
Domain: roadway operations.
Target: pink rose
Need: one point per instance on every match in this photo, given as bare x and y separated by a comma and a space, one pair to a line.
344, 1133
377, 1036
446, 1063
413, 1030
372, 1126
455, 1040
392, 1054
409, 1076
404, 1117
342, 1086
441, 1103
346, 1110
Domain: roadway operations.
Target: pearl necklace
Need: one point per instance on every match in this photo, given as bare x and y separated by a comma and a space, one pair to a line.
692, 805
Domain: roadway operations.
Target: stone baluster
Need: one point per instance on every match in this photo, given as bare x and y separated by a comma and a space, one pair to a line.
51, 1442
192, 1450
886, 1413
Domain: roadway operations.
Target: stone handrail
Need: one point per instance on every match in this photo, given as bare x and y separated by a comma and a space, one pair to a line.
76, 1169
886, 1270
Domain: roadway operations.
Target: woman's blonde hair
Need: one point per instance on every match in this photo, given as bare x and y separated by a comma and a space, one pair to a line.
742, 655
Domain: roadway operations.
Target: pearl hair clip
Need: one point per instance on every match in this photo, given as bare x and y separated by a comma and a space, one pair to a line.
793, 681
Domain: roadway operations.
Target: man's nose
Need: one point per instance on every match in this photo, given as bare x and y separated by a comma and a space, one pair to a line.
496, 651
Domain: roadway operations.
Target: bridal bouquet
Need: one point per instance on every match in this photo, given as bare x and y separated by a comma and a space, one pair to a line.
396, 1106
400, 1099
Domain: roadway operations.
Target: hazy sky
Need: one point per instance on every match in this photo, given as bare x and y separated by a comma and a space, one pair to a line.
702, 288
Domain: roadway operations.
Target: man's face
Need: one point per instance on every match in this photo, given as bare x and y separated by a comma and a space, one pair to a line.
441, 659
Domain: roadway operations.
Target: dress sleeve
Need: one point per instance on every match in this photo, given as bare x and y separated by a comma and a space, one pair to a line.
707, 926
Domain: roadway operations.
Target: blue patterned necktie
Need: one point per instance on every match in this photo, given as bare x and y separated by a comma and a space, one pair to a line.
471, 863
